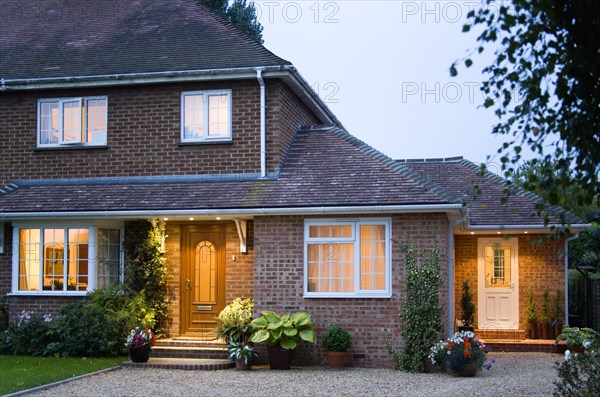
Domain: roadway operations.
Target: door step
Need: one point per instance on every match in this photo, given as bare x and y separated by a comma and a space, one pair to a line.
189, 364
189, 348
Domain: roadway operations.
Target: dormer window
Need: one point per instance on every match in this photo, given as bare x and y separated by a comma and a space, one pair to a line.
72, 121
206, 116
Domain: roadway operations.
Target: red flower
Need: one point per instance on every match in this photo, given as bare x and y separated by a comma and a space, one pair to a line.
468, 345
467, 353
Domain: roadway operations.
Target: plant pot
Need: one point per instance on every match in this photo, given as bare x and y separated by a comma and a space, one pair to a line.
279, 358
544, 328
557, 330
468, 370
551, 334
428, 366
241, 365
337, 360
531, 331
139, 355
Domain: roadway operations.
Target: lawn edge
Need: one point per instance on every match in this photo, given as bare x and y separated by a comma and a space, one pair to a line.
60, 382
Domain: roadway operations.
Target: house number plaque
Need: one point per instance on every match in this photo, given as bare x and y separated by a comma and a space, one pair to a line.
203, 308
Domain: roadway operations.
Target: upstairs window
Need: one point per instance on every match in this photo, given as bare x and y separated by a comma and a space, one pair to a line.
347, 258
72, 121
206, 116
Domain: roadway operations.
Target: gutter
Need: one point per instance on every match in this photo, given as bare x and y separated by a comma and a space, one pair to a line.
520, 228
263, 127
450, 250
238, 212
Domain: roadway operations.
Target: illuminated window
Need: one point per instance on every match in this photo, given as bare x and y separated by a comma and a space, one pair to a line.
206, 116
66, 259
347, 258
72, 121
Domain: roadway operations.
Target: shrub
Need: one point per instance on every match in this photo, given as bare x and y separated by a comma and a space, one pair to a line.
337, 339
545, 315
3, 314
531, 312
467, 306
233, 323
579, 374
29, 335
420, 317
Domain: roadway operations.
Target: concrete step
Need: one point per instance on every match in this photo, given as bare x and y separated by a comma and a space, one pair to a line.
182, 364
189, 348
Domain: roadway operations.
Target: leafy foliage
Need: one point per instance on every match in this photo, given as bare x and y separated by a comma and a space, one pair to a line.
531, 311
240, 13
283, 332
237, 350
147, 271
28, 335
545, 313
544, 85
233, 323
466, 304
579, 374
420, 318
337, 339
3, 313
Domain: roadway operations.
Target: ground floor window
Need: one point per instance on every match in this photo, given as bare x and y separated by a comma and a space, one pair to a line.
66, 259
347, 258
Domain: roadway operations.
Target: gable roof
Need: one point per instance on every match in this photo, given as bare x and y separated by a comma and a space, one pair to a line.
67, 38
326, 169
483, 194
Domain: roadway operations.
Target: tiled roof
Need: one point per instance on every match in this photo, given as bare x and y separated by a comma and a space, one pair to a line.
66, 38
463, 179
324, 167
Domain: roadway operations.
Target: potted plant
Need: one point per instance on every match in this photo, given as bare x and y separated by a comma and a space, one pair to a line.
467, 307
139, 342
557, 315
336, 341
531, 315
242, 354
462, 355
233, 322
282, 334
545, 315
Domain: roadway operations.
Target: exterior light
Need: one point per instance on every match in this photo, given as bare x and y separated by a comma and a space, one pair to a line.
191, 219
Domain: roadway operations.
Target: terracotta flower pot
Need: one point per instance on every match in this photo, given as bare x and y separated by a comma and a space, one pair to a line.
240, 365
139, 355
337, 360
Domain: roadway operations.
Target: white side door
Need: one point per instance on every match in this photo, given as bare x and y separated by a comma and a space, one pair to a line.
498, 283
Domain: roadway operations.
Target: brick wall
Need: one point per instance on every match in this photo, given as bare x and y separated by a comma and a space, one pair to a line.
541, 266
6, 261
278, 285
144, 133
39, 305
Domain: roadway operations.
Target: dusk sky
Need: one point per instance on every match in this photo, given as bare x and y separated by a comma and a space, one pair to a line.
383, 69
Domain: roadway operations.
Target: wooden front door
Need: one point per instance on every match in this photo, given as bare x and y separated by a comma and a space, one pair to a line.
498, 281
202, 277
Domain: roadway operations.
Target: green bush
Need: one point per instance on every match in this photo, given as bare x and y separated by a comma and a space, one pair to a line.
29, 335
3, 314
233, 323
336, 339
579, 374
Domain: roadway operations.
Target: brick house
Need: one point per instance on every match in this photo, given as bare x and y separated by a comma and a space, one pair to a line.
113, 112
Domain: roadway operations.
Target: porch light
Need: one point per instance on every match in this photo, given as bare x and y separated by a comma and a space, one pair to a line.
165, 219
499, 233
191, 219
472, 232
218, 218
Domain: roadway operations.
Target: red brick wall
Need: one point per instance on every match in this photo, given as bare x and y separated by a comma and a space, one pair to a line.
6, 262
144, 133
541, 266
39, 305
278, 285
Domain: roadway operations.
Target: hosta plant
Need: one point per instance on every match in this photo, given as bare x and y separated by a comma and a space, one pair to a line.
283, 331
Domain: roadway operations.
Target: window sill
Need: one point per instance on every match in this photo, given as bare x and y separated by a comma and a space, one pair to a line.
70, 147
73, 294
384, 295
202, 143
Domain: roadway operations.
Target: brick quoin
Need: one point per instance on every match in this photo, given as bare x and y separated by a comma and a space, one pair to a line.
278, 285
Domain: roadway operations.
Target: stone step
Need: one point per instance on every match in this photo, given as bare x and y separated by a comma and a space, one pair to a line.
182, 364
189, 352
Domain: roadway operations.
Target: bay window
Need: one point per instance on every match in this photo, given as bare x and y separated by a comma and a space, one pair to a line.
68, 260
347, 258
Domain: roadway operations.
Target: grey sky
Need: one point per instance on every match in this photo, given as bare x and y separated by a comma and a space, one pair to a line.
382, 67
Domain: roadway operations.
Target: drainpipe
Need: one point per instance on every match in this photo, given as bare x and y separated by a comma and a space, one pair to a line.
567, 276
450, 325
263, 127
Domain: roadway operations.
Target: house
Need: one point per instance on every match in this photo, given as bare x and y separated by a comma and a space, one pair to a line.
112, 112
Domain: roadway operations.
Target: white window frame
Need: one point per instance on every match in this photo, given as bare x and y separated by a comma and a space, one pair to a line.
92, 252
205, 119
84, 123
354, 239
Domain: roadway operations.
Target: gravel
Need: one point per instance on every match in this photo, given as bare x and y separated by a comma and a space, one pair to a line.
514, 374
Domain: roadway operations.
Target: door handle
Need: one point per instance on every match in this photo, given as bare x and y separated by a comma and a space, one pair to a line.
187, 284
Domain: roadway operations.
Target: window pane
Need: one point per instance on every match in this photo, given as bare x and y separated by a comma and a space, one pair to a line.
109, 256
72, 121
218, 115
96, 112
372, 257
54, 259
77, 260
48, 123
29, 260
497, 267
330, 231
193, 116
330, 267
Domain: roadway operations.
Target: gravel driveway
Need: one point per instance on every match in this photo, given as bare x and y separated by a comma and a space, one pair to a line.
514, 374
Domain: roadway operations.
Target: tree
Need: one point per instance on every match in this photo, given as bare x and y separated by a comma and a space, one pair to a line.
240, 13
544, 85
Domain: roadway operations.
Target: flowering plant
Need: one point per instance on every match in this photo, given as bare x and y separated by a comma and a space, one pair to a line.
461, 349
140, 337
